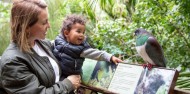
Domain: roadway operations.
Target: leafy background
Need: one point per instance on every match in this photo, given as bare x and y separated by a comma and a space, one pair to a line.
111, 24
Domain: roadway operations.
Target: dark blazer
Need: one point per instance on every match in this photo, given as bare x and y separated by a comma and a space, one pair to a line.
29, 73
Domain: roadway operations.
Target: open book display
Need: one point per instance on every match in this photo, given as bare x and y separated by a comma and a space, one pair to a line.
105, 77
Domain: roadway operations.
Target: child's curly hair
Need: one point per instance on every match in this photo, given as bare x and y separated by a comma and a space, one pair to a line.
72, 19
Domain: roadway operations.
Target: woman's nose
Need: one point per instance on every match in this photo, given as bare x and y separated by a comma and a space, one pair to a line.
48, 25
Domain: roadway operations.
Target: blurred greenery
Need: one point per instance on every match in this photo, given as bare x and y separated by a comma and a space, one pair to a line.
111, 24
4, 25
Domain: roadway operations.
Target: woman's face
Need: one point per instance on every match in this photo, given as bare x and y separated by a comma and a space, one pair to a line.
39, 29
76, 34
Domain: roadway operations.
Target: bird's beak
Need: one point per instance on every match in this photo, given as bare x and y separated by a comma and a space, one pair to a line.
134, 34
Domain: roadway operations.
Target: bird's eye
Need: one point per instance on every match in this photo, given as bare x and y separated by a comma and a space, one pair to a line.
136, 32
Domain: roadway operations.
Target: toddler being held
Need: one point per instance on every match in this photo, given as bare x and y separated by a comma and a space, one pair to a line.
71, 47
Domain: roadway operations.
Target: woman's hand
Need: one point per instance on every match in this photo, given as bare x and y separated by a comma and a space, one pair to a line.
75, 80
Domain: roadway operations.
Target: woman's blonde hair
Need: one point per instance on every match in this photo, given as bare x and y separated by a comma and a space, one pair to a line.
24, 14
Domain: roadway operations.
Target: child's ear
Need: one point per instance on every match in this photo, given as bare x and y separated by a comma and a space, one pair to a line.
66, 33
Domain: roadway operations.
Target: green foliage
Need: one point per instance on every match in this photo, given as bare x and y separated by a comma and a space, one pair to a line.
167, 20
4, 25
111, 24
183, 81
164, 20
111, 36
59, 9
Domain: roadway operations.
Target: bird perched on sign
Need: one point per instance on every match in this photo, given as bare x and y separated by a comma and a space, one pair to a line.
149, 49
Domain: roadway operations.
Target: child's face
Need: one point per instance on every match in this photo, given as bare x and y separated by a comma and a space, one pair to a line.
76, 34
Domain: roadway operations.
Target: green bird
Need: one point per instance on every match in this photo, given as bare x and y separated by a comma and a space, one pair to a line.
149, 49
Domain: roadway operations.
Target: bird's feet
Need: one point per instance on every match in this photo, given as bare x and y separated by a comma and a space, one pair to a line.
149, 66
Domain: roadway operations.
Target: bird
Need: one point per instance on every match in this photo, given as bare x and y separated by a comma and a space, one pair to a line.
149, 49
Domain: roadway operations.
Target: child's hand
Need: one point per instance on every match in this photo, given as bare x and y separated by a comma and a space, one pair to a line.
115, 59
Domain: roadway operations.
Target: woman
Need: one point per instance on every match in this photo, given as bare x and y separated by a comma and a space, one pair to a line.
28, 66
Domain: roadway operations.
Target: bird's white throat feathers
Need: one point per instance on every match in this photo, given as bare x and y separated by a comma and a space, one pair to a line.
142, 52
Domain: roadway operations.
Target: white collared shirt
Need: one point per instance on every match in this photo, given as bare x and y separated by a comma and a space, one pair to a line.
55, 66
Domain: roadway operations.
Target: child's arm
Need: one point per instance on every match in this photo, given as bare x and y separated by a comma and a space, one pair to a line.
99, 55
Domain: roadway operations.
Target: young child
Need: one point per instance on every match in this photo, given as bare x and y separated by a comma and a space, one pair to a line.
71, 47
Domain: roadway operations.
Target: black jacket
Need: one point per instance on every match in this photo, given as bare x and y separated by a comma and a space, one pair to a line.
69, 55
24, 73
